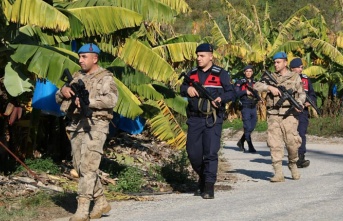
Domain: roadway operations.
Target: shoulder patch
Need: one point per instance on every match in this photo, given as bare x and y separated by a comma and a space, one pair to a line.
243, 80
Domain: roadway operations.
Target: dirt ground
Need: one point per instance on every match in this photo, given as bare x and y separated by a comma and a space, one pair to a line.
67, 206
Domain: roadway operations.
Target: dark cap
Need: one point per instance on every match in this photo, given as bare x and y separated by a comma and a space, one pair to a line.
248, 67
89, 48
295, 63
205, 47
280, 55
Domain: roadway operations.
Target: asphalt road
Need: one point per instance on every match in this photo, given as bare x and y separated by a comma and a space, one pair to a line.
318, 195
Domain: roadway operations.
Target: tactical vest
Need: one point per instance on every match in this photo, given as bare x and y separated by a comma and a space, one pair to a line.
212, 85
247, 98
93, 85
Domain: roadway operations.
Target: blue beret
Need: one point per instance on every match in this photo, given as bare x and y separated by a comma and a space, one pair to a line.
205, 47
280, 55
89, 48
248, 67
295, 63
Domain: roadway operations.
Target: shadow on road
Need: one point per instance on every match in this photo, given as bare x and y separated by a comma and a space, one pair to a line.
259, 152
254, 174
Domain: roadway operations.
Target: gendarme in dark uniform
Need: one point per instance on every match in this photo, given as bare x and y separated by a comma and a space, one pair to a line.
297, 66
205, 118
248, 107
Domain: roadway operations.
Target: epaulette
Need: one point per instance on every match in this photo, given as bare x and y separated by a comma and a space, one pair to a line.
216, 70
194, 70
303, 76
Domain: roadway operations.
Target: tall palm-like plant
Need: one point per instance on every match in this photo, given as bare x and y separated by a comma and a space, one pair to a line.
119, 28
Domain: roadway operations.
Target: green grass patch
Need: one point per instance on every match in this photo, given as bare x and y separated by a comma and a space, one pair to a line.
130, 180
326, 126
237, 124
45, 165
26, 207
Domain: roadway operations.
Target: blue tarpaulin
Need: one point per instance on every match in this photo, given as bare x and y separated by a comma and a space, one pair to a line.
44, 98
128, 125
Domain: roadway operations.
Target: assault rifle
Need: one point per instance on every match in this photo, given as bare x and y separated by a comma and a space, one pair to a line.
251, 89
199, 88
254, 92
285, 94
80, 91
308, 99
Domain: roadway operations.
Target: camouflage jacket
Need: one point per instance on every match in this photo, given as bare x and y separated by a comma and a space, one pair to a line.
290, 80
103, 96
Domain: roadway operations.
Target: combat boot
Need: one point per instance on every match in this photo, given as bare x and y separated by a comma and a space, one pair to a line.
208, 191
101, 206
251, 147
82, 212
302, 163
240, 143
294, 170
200, 189
278, 176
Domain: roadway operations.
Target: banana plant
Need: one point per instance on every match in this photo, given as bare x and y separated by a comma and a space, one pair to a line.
47, 46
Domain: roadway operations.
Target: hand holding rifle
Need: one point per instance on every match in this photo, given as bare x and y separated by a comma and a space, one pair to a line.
197, 89
279, 90
77, 92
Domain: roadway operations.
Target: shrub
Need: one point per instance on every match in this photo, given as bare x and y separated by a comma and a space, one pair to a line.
130, 180
46, 165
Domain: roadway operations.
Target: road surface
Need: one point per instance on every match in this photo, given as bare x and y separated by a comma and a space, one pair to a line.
318, 195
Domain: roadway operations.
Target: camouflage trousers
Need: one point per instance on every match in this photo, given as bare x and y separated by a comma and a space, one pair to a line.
87, 149
281, 132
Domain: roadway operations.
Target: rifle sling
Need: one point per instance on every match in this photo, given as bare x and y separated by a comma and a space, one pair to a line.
209, 110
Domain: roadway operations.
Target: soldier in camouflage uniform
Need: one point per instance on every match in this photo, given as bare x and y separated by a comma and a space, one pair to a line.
88, 135
282, 129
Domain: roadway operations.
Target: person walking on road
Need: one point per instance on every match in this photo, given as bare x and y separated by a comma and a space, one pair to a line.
88, 133
282, 123
205, 118
296, 65
248, 107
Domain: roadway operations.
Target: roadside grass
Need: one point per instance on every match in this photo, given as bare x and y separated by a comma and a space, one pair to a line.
323, 126
26, 208
237, 124
326, 126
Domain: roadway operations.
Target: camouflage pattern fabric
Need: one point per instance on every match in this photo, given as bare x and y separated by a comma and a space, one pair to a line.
89, 135
87, 149
283, 131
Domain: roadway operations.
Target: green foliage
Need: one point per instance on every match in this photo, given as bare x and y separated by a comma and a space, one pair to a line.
326, 126
175, 171
237, 124
45, 165
111, 167
24, 209
130, 180
155, 171
39, 199
261, 126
